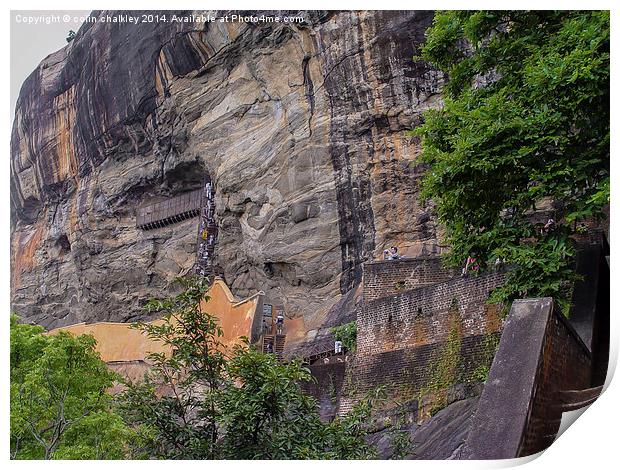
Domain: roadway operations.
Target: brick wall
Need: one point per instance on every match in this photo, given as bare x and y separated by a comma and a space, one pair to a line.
422, 316
402, 336
385, 278
328, 381
407, 371
539, 356
565, 365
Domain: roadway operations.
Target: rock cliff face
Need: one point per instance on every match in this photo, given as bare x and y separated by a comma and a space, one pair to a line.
301, 127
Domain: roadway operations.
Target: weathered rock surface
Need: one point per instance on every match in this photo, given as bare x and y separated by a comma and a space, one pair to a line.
439, 438
302, 128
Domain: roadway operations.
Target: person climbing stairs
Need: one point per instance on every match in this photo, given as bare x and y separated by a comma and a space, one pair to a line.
274, 344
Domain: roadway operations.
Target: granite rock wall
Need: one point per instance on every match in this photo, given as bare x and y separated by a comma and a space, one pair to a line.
301, 127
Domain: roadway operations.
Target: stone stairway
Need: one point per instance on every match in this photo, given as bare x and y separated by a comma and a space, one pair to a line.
274, 344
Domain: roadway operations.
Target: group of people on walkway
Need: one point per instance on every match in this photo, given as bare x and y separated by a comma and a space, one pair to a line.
267, 326
471, 263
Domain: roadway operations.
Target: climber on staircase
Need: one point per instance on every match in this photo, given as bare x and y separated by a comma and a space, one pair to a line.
279, 323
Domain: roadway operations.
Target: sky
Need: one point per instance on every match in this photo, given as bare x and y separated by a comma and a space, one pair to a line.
31, 43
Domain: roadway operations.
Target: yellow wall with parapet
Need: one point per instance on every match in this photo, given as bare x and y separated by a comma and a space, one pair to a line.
118, 342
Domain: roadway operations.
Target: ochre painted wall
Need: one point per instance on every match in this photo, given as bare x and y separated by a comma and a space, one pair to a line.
118, 342
235, 317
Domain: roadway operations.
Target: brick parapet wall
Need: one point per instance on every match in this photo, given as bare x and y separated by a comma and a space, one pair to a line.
407, 371
539, 356
565, 364
389, 277
327, 385
422, 316
401, 337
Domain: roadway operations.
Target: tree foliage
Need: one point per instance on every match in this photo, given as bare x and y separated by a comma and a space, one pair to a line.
59, 405
198, 401
267, 416
202, 401
347, 333
177, 401
525, 121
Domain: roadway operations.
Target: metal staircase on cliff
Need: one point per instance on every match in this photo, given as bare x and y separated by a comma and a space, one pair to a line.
207, 233
271, 341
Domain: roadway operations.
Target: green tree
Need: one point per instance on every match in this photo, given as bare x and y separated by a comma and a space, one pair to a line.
525, 120
59, 405
199, 403
267, 416
177, 401
346, 436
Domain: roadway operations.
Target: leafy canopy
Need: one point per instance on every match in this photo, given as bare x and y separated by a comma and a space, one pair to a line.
59, 405
525, 122
267, 416
177, 400
202, 401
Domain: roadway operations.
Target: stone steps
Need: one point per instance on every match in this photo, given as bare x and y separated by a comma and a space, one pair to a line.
277, 345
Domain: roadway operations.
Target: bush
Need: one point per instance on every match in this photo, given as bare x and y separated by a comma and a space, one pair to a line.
239, 404
525, 121
346, 333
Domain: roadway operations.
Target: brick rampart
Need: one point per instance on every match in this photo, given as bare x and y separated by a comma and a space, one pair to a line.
564, 365
327, 385
422, 316
408, 371
403, 336
539, 356
389, 277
